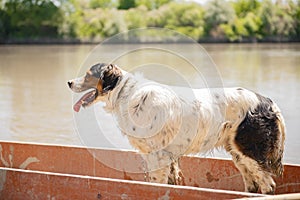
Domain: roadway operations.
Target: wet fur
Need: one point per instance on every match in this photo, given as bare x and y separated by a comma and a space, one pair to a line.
164, 125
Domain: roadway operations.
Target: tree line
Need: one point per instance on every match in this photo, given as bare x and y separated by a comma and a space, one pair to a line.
95, 20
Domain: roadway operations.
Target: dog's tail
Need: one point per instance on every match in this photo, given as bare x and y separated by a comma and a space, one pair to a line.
276, 154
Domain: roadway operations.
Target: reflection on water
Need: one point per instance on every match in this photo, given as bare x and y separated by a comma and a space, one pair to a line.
36, 105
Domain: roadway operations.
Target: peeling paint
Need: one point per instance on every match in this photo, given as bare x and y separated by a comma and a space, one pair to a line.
4, 162
166, 196
9, 163
210, 178
124, 197
2, 179
28, 161
11, 155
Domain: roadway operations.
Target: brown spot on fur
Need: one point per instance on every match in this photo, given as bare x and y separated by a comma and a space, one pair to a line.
100, 86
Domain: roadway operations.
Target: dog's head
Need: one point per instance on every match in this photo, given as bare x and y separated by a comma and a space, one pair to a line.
98, 80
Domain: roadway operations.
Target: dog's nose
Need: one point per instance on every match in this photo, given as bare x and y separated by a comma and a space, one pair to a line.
70, 84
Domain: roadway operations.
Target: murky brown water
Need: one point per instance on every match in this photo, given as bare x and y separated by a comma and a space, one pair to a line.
36, 105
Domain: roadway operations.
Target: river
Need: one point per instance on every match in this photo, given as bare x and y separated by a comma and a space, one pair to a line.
36, 104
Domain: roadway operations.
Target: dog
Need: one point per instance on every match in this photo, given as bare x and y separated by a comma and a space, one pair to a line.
164, 125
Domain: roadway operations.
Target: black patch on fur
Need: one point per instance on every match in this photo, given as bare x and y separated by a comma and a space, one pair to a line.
144, 98
258, 133
253, 188
106, 73
238, 158
136, 109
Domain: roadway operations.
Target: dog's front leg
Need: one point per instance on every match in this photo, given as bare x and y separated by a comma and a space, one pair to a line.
170, 174
163, 168
157, 166
160, 175
175, 176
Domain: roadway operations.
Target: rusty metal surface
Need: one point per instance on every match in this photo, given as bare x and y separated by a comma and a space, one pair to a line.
198, 172
294, 196
33, 185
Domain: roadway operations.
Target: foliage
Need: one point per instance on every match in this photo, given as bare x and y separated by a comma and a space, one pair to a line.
296, 15
217, 12
242, 7
153, 4
135, 17
126, 4
94, 20
276, 20
39, 18
186, 18
246, 27
101, 4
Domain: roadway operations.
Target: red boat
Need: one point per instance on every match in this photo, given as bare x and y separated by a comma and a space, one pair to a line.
37, 171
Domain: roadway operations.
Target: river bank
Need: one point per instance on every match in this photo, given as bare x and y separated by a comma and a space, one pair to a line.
208, 40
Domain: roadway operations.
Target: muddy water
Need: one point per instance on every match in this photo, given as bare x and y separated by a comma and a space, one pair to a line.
36, 105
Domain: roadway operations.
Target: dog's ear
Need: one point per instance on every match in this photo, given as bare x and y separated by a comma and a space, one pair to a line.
110, 77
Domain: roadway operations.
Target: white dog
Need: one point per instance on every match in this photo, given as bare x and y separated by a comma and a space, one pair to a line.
163, 125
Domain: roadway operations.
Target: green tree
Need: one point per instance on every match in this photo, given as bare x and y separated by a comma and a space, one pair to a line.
186, 18
153, 4
4, 24
32, 18
101, 4
217, 12
296, 16
276, 20
126, 4
243, 28
242, 7
135, 17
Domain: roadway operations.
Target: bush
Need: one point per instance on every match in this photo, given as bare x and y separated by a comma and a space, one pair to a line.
276, 20
32, 19
241, 28
217, 12
97, 19
186, 18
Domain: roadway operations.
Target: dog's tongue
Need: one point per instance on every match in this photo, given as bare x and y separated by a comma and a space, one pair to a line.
77, 106
81, 101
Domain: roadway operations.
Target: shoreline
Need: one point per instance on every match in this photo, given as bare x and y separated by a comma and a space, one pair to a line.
207, 40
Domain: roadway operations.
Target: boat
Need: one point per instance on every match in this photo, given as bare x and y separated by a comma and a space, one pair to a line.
54, 172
